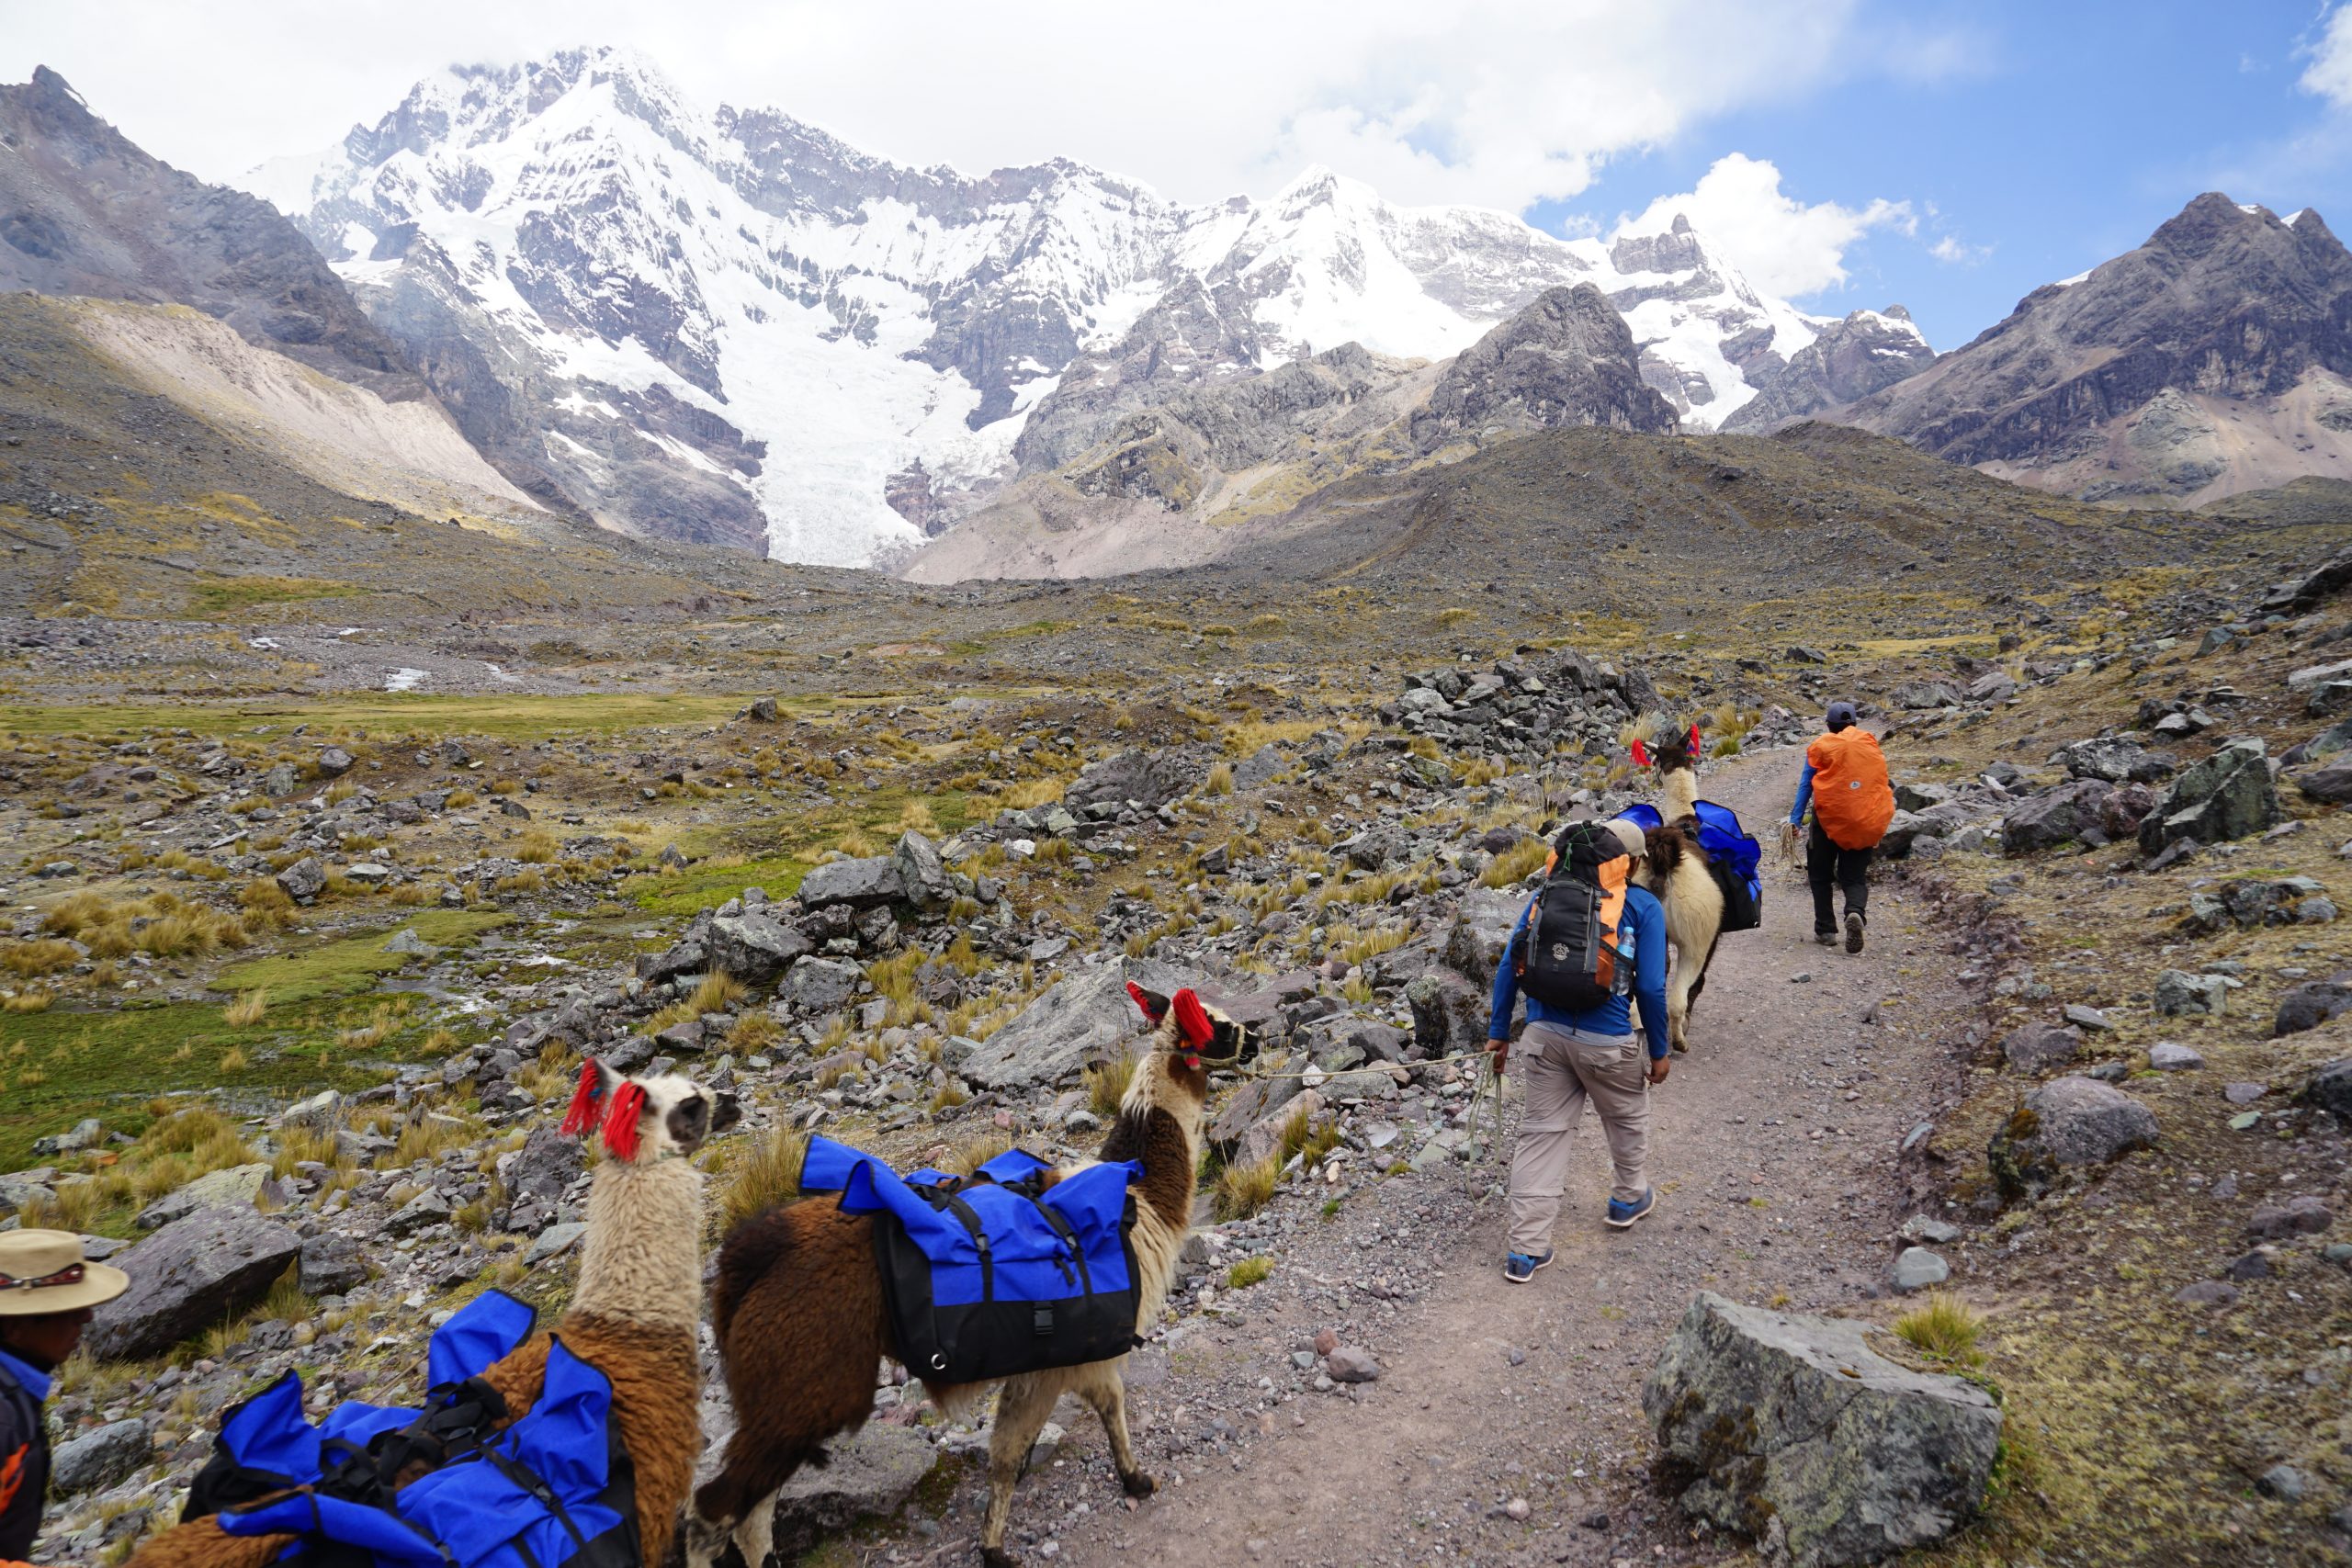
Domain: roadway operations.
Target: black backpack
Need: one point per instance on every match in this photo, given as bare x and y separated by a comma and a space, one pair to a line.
1565, 956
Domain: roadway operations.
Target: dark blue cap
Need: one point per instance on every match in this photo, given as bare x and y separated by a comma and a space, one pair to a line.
1842, 714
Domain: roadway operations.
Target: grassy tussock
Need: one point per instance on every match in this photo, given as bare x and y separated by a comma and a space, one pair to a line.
1516, 864
536, 847
1243, 1189
1250, 1271
1944, 1327
1220, 782
762, 1176
716, 992
1106, 1085
159, 924
247, 1009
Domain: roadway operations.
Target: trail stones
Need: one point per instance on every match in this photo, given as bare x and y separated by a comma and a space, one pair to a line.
1349, 1363
304, 880
2037, 1047
2182, 995
872, 1471
1917, 1269
192, 1273
2069, 1121
1085, 1017
2228, 796
98, 1459
1794, 1426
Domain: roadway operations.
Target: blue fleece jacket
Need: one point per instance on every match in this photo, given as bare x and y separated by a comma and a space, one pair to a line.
1640, 931
1804, 795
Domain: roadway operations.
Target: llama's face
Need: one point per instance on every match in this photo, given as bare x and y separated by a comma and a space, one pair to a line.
1191, 1037
673, 1115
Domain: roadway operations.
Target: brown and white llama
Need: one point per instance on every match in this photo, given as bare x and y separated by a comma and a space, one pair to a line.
1675, 868
801, 1324
634, 1316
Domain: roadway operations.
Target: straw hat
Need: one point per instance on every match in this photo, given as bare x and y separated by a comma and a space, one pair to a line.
43, 1272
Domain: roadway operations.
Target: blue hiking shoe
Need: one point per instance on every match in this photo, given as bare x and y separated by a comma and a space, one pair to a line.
1519, 1269
1622, 1215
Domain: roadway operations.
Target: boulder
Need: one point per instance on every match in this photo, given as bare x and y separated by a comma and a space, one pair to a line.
2037, 1047
1793, 1429
2228, 796
690, 955
1083, 1018
193, 1272
1264, 1136
97, 1459
2305, 1214
1917, 1269
554, 1242
920, 873
332, 1264
236, 1187
421, 1212
2125, 808
1475, 944
2249, 902
1920, 695
2180, 994
1905, 828
754, 946
2312, 1003
334, 762
1150, 779
871, 1472
2069, 1121
2330, 782
280, 781
2056, 816
819, 985
1251, 1103
1994, 686
862, 884
546, 1164
2113, 759
2171, 1057
2330, 1089
304, 880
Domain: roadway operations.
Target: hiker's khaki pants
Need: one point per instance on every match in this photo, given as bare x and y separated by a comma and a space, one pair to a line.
1559, 1069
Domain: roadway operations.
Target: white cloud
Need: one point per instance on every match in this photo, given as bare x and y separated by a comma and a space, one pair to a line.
1951, 249
2329, 76
1493, 102
1784, 246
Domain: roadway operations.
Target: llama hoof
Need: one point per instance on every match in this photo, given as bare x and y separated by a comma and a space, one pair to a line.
1139, 1484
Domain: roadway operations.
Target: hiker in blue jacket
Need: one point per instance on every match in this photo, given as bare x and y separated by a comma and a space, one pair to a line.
1567, 1057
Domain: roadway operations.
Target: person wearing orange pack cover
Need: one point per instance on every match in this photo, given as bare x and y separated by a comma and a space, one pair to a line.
1845, 783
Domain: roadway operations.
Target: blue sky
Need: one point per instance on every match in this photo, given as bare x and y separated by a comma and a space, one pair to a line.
1849, 152
2051, 136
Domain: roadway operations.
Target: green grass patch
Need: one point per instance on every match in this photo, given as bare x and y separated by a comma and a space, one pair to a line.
1250, 1271
517, 717
776, 853
699, 887
230, 595
342, 968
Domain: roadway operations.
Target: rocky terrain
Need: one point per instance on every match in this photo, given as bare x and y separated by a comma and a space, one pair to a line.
296, 987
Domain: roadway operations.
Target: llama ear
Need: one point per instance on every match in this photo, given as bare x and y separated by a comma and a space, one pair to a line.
1193, 1019
1694, 742
1641, 755
589, 1100
727, 1112
1153, 1005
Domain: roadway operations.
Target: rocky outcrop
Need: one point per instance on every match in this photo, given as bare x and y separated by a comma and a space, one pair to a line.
1083, 1019
1568, 358
2201, 363
1794, 1431
1852, 358
193, 1272
2228, 796
2066, 1124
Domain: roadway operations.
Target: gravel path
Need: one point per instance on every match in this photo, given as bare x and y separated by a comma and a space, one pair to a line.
1506, 1424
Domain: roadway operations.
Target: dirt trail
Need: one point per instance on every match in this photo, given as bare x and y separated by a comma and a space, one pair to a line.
1774, 1150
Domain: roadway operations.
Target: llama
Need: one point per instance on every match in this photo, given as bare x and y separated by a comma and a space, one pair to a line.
798, 1312
634, 1316
1675, 868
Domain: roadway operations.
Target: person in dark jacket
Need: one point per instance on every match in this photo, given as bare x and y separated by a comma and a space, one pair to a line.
1570, 1058
47, 1294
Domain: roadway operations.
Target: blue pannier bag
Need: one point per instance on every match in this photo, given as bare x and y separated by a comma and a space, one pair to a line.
436, 1486
1735, 860
1002, 1272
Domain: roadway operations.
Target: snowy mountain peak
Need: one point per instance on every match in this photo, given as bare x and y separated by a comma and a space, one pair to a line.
730, 325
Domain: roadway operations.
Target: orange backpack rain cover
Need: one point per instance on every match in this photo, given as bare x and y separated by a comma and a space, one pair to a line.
1851, 799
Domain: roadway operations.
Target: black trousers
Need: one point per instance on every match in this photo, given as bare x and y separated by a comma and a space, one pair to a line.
1825, 863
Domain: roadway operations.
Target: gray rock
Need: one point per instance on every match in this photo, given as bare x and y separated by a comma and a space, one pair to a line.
97, 1459
1923, 695
819, 985
2307, 1214
1915, 1269
554, 1242
2283, 1482
2330, 1089
2330, 783
2037, 1047
2228, 796
2055, 816
1927, 1228
192, 1273
280, 781
2113, 759
1906, 828
304, 880
2207, 1292
2312, 1003
1252, 1103
317, 1113
1150, 779
1351, 1364
406, 943
862, 884
332, 1264
871, 1472
2182, 995
1264, 1136
421, 1212
754, 946
236, 1187
2069, 1121
1796, 1425
334, 762
544, 1166
2083, 1017
1083, 1019
2171, 1057
921, 873
87, 1133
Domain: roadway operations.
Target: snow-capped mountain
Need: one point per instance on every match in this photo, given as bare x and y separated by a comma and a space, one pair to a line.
730, 326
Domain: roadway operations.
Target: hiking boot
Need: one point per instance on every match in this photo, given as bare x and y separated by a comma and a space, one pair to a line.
1853, 931
1826, 939
1622, 1215
1519, 1269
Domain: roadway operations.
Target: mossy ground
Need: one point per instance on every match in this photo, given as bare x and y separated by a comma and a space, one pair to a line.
353, 963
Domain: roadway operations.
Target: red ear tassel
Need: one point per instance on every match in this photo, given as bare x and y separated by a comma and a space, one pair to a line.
1143, 1001
581, 1115
1641, 755
1192, 1020
1694, 741
620, 1122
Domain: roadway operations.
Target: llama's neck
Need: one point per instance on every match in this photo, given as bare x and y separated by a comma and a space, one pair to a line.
1681, 790
643, 1256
